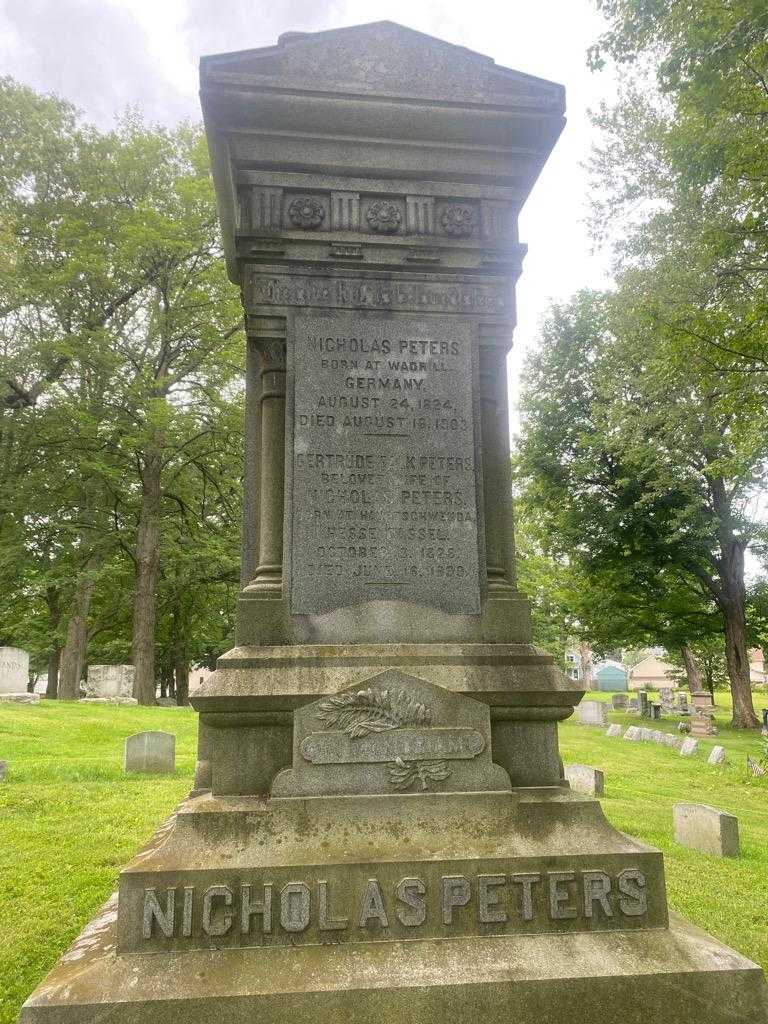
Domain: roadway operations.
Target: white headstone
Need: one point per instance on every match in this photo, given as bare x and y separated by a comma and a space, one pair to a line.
592, 712
707, 829
632, 733
150, 752
14, 670
584, 779
717, 756
110, 681
613, 730
689, 747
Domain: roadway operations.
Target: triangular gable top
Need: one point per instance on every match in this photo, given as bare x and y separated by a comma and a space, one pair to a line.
383, 58
609, 663
650, 658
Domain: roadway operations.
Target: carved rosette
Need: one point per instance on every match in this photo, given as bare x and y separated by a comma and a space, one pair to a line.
306, 212
458, 220
383, 217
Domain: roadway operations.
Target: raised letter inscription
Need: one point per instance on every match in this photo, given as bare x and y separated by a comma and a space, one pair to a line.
384, 496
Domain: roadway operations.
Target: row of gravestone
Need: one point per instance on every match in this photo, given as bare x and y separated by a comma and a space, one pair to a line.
697, 826
105, 684
686, 747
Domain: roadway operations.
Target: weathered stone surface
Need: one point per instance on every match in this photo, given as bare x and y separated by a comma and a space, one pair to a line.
384, 484
592, 712
688, 747
14, 670
150, 751
619, 701
585, 779
110, 681
20, 698
613, 730
3, 771
670, 740
166, 702
633, 733
494, 979
707, 829
394, 732
717, 756
126, 701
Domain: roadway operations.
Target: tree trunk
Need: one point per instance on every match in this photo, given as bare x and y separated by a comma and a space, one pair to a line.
182, 681
52, 686
732, 602
692, 671
73, 653
52, 599
147, 565
737, 659
585, 659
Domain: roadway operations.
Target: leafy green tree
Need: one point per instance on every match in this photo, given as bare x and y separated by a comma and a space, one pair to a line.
121, 361
641, 473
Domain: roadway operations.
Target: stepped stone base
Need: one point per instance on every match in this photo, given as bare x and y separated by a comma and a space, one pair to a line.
660, 976
477, 955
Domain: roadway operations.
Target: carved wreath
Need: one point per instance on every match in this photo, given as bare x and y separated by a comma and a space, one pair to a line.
366, 711
383, 217
306, 212
458, 220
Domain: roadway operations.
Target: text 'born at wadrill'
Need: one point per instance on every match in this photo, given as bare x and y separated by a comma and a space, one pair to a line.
384, 498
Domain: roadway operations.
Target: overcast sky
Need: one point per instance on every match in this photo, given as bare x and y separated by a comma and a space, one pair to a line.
107, 54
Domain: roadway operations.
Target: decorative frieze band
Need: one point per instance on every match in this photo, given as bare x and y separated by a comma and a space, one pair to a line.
269, 209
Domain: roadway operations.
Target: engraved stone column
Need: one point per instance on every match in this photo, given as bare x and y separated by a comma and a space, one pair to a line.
269, 334
497, 487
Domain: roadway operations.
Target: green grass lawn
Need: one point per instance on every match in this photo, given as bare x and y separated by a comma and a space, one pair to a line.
69, 818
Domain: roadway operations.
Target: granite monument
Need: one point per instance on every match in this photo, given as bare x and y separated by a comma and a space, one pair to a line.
381, 828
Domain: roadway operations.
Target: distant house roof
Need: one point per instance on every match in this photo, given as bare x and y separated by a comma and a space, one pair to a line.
609, 663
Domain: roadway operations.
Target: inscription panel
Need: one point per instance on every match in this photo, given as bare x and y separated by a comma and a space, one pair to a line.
384, 502
406, 900
322, 292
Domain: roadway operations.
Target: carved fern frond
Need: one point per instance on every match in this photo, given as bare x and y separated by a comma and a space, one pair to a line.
366, 711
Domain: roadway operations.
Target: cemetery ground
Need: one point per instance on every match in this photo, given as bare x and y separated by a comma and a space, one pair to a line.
70, 817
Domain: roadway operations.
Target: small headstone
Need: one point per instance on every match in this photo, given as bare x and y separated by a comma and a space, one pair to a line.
613, 730
592, 712
707, 829
14, 671
150, 752
584, 779
717, 756
619, 701
633, 704
643, 704
632, 733
683, 708
166, 702
688, 747
110, 683
667, 698
655, 710
3, 771
702, 722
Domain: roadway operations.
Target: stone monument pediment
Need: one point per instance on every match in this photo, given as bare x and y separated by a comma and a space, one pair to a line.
391, 733
384, 57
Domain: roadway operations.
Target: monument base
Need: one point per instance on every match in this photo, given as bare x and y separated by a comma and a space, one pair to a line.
417, 911
661, 976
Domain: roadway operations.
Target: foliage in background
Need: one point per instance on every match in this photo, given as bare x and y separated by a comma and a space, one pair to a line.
121, 362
